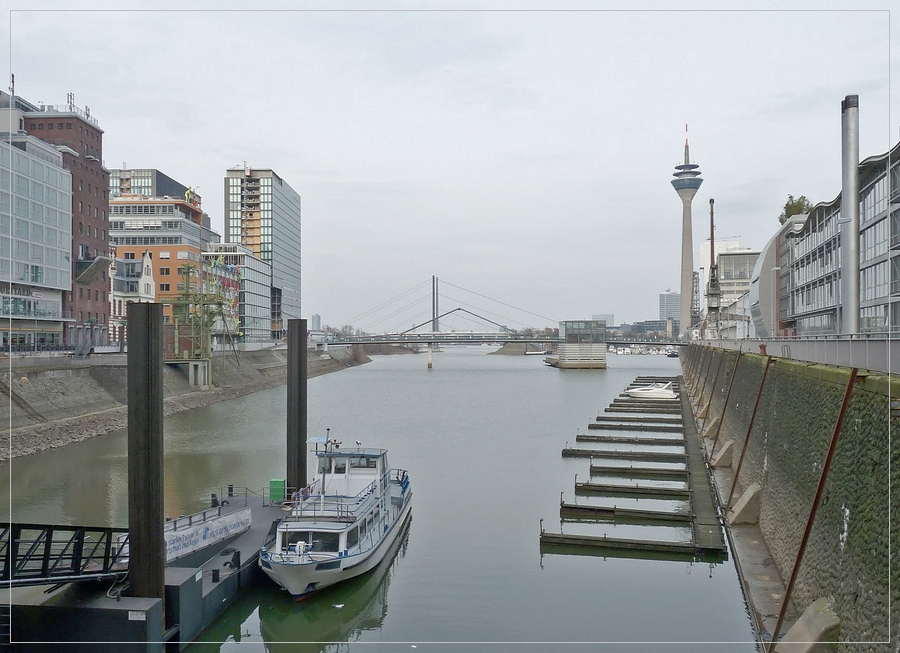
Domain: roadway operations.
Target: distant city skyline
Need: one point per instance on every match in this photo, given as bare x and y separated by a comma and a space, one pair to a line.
522, 154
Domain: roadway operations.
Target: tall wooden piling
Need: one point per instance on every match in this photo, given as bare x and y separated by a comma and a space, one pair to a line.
296, 404
146, 515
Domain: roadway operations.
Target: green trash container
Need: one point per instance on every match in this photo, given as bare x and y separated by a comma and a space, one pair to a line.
276, 489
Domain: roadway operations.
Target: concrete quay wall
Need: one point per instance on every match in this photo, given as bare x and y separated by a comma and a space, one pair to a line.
50, 405
848, 555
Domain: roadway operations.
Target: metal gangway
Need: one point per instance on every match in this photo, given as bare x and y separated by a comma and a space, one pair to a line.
38, 554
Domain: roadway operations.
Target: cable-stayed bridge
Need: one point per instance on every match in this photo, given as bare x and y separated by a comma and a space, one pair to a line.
466, 324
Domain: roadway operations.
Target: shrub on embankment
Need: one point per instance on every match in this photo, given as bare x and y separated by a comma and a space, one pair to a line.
848, 554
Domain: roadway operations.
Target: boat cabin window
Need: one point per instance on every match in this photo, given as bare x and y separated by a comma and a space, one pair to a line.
321, 541
325, 465
362, 462
362, 529
352, 537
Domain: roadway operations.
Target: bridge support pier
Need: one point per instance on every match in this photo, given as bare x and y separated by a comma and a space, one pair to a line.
430, 355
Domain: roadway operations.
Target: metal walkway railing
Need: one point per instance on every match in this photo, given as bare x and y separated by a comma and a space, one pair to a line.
38, 554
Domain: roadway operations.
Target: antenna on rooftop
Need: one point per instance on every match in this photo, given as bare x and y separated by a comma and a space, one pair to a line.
12, 84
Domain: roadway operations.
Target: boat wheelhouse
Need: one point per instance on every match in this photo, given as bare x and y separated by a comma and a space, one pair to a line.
342, 524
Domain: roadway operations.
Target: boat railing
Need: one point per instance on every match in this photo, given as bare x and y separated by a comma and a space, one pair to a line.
400, 477
185, 521
306, 504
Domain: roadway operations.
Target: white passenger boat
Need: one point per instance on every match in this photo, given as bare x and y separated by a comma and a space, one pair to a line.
342, 524
653, 391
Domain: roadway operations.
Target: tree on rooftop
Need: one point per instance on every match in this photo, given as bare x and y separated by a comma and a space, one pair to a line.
793, 206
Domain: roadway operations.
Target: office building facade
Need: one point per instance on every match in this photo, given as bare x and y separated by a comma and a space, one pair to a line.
796, 285
35, 244
669, 305
253, 307
77, 136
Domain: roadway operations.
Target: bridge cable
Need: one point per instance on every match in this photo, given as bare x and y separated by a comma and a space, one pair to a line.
418, 300
497, 315
544, 317
389, 301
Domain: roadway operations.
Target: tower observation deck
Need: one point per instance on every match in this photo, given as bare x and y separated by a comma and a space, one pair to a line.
687, 181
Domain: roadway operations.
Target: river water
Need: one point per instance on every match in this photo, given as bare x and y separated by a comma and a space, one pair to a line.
481, 437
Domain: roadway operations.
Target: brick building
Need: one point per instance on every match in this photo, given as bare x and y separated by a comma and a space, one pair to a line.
78, 138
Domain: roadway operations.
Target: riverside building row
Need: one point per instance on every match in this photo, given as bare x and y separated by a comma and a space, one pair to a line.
795, 287
78, 242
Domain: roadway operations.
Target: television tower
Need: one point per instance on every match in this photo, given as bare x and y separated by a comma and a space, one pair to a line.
687, 181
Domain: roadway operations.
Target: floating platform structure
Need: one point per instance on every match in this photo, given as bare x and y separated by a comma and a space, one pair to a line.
199, 584
648, 463
582, 346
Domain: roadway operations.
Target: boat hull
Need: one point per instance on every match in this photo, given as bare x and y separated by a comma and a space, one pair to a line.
303, 579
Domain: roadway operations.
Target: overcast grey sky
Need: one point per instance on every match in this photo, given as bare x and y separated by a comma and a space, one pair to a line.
524, 155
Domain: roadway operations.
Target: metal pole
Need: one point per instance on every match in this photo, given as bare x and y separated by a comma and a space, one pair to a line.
762, 384
715, 378
850, 213
146, 515
296, 404
838, 425
727, 397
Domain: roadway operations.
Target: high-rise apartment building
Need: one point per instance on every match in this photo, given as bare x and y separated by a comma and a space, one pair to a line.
35, 244
262, 213
77, 136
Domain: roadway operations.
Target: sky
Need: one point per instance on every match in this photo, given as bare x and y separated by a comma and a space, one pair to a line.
522, 154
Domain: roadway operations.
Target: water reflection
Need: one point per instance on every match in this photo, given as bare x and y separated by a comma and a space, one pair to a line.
318, 624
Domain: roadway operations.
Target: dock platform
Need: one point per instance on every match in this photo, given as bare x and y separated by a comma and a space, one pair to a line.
198, 587
707, 538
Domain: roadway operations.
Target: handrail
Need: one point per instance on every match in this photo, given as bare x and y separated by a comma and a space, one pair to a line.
35, 554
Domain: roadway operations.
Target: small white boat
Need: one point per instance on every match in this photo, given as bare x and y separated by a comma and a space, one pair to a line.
653, 391
342, 524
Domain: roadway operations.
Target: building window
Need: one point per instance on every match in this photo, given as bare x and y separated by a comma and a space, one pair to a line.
163, 287
50, 126
164, 272
129, 256
80, 207
68, 125
59, 126
41, 126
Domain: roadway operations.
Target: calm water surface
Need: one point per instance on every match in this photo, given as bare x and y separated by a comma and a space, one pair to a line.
481, 437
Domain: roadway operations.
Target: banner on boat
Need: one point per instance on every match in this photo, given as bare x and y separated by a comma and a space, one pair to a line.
193, 538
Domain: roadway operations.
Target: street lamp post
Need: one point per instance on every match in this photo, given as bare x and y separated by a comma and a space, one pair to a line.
774, 300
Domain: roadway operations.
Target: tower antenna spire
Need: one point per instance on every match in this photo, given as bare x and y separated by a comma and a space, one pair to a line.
686, 147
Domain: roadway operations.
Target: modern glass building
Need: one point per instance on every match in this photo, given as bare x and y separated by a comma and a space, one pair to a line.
582, 345
263, 215
254, 297
669, 305
803, 261
35, 243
